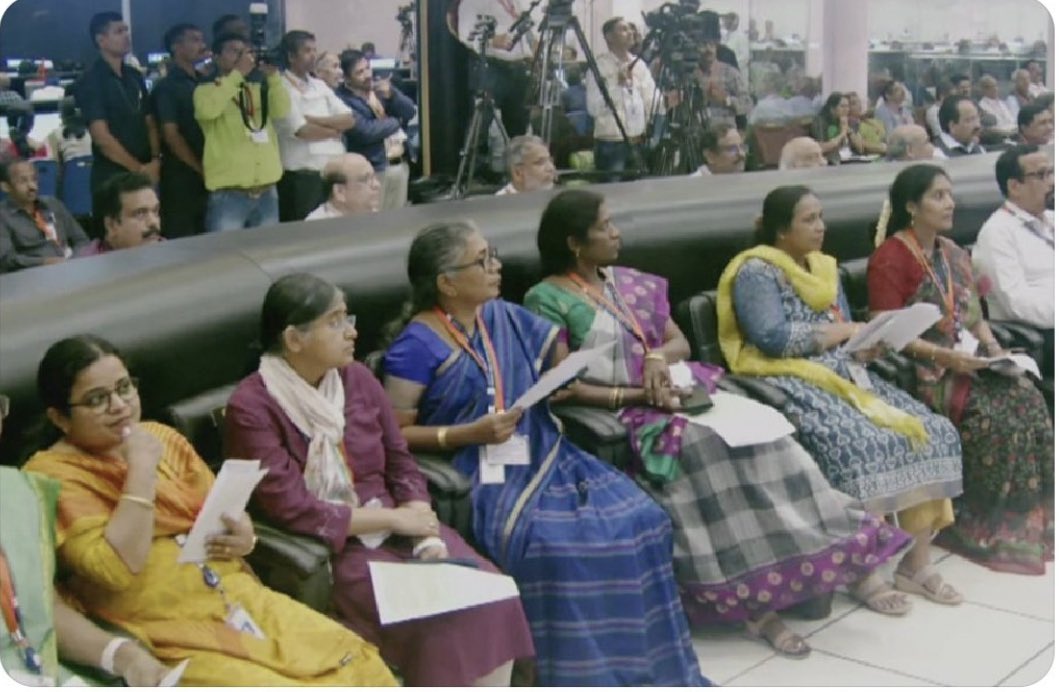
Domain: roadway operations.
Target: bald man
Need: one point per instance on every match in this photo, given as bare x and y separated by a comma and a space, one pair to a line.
802, 152
910, 143
352, 188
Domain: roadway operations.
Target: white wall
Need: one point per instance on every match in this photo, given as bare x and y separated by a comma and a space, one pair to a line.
939, 20
340, 24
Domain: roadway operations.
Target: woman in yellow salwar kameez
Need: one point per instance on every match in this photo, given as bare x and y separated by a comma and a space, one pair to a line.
130, 490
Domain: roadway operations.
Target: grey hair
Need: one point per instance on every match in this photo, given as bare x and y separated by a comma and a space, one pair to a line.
897, 147
517, 147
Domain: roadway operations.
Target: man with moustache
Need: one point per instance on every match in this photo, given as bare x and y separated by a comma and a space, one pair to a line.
722, 151
960, 127
1036, 125
129, 211
352, 187
530, 166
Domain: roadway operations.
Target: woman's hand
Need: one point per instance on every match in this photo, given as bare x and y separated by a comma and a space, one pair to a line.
867, 355
495, 428
137, 667
237, 541
434, 552
959, 361
141, 450
415, 521
656, 382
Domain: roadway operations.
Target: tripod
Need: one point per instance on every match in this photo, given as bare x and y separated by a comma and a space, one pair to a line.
547, 68
679, 150
484, 112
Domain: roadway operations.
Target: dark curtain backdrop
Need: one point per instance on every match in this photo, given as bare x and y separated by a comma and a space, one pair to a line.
58, 29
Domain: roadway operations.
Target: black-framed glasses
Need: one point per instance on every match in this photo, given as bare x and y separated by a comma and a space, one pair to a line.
491, 255
99, 400
1040, 175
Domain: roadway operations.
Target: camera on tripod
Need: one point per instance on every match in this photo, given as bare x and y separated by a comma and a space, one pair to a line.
404, 16
259, 35
675, 36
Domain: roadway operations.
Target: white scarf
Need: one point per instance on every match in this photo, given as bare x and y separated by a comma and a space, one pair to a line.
319, 413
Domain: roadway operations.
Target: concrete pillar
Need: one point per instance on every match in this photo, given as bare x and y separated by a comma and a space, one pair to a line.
845, 51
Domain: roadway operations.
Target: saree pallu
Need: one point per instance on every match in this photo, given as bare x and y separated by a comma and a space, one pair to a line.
756, 528
167, 605
1005, 519
591, 553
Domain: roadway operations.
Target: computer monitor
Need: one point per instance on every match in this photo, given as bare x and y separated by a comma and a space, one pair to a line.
157, 58
13, 63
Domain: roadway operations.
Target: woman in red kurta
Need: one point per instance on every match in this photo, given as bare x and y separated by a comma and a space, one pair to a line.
340, 470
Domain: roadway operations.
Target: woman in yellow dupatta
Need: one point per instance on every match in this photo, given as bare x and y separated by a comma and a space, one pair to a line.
782, 315
129, 491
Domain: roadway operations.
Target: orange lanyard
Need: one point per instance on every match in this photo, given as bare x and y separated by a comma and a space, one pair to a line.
620, 311
490, 365
13, 618
948, 295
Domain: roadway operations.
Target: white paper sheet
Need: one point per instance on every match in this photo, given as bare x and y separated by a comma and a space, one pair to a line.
173, 676
1019, 360
681, 376
229, 495
741, 421
895, 327
409, 591
561, 374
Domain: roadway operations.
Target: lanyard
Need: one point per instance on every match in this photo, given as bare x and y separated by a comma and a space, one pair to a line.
46, 225
491, 369
13, 618
948, 295
246, 106
620, 311
1029, 225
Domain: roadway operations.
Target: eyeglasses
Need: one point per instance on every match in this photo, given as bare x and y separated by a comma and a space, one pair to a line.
99, 401
1040, 175
491, 255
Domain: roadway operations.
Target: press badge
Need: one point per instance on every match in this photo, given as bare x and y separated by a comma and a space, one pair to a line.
240, 621
490, 474
859, 374
514, 452
259, 137
968, 343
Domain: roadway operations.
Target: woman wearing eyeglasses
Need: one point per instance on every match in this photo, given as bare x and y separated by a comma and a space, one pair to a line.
340, 471
591, 553
130, 491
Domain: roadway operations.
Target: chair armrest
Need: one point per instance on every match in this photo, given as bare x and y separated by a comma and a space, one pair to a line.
1016, 334
726, 384
762, 391
304, 554
440, 473
602, 426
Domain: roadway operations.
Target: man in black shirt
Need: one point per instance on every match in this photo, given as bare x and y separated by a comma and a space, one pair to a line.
34, 230
182, 189
113, 98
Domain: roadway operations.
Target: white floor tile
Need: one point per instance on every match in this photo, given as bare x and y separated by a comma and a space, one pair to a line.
1034, 671
724, 654
968, 645
841, 606
1019, 593
821, 670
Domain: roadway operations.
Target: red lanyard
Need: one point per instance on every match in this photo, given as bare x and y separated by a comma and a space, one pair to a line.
948, 295
48, 230
619, 310
13, 618
491, 369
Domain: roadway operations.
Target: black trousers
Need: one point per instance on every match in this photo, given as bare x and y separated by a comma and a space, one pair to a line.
183, 197
299, 193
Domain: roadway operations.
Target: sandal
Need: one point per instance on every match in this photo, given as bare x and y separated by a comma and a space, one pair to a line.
874, 593
782, 640
929, 584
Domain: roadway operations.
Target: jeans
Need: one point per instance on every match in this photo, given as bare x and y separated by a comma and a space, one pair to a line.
612, 158
230, 208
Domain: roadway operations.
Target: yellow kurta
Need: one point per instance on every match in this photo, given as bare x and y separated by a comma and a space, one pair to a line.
169, 607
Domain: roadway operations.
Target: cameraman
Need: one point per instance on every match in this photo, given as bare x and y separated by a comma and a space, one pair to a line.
241, 159
507, 69
631, 88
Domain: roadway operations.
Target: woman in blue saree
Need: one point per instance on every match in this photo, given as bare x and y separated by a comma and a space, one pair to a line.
591, 553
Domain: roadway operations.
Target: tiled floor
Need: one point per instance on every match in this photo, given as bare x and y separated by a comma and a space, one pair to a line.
1003, 634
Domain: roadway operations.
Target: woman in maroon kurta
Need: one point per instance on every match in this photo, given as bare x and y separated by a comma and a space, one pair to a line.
309, 358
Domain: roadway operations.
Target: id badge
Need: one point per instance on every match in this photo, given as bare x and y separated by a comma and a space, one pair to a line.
259, 137
514, 452
859, 374
240, 621
490, 474
968, 343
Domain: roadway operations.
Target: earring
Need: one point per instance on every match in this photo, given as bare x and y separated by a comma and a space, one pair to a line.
577, 254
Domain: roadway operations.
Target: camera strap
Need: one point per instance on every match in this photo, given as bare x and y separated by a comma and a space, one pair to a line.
246, 105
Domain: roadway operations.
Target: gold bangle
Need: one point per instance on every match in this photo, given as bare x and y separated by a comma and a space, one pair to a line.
655, 355
136, 499
621, 396
443, 432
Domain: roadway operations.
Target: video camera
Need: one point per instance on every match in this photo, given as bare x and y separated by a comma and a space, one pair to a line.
404, 15
484, 30
676, 33
259, 36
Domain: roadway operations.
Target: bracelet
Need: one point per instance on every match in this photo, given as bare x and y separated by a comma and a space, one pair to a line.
443, 432
428, 542
621, 396
106, 661
613, 397
136, 499
655, 355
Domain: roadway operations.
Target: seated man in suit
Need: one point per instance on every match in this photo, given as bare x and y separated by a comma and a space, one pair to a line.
960, 127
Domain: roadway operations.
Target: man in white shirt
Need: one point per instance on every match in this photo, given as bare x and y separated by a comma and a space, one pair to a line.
722, 151
311, 134
529, 163
960, 127
506, 75
1015, 250
1020, 92
632, 90
738, 42
771, 107
353, 188
1036, 125
1036, 78
991, 104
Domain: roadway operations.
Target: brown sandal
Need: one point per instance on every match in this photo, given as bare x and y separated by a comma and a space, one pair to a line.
880, 598
921, 584
783, 640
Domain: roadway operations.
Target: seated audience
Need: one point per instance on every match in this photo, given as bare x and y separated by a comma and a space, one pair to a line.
1020, 93
806, 101
71, 139
1036, 125
893, 111
960, 127
129, 211
990, 102
354, 188
130, 490
1037, 87
590, 551
27, 548
771, 106
241, 170
722, 151
831, 128
909, 143
34, 230
340, 471
381, 112
801, 152
1004, 517
529, 165
592, 300
1015, 250
328, 69
782, 315
942, 90
19, 125
870, 131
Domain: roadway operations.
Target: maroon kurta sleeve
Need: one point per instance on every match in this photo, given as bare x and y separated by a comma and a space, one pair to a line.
255, 428
403, 478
